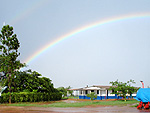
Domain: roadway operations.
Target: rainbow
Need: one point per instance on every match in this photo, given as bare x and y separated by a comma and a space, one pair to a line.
85, 28
27, 11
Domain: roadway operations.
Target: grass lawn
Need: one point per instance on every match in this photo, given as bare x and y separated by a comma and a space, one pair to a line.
75, 104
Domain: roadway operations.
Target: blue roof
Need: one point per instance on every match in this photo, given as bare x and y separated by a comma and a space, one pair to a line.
143, 95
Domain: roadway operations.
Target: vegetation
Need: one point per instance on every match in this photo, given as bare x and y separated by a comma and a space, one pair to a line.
73, 97
1, 86
63, 91
122, 89
30, 97
92, 95
69, 91
20, 86
28, 86
9, 64
28, 81
131, 90
78, 103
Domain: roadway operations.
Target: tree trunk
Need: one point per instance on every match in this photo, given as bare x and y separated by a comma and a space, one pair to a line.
125, 98
9, 86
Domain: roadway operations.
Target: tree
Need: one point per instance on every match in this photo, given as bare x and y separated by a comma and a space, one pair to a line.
9, 46
63, 91
31, 81
92, 95
69, 91
131, 90
121, 88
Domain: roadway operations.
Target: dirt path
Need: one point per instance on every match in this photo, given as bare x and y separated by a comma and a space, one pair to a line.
115, 109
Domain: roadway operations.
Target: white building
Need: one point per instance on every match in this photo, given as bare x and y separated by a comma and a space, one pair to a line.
102, 92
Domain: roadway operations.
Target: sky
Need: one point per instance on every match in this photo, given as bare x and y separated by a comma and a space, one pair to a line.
94, 56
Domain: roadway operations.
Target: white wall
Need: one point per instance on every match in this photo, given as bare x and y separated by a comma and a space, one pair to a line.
109, 93
103, 93
76, 93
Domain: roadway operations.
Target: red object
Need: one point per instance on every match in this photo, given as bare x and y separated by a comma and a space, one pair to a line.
140, 105
146, 106
142, 84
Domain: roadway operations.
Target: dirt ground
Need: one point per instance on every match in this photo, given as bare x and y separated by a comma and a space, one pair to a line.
87, 109
12, 109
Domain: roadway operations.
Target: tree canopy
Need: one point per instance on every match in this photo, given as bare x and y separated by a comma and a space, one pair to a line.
31, 81
122, 89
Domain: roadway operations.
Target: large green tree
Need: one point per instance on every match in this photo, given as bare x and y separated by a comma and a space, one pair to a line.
121, 88
9, 63
31, 81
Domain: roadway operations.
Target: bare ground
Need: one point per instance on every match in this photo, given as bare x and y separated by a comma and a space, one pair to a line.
87, 109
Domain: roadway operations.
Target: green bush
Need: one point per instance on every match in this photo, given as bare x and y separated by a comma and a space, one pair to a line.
92, 95
30, 97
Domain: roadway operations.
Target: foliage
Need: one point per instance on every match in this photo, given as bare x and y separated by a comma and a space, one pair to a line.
29, 86
9, 46
30, 97
122, 89
28, 81
64, 90
92, 95
131, 90
69, 91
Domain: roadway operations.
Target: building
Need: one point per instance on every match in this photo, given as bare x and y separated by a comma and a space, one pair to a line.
102, 92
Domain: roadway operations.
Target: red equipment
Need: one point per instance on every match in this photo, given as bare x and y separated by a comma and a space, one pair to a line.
140, 105
146, 106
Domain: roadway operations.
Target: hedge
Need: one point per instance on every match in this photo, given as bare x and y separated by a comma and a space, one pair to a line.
30, 97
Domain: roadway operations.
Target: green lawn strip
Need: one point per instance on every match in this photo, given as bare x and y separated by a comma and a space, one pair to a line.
77, 104
73, 97
116, 103
63, 104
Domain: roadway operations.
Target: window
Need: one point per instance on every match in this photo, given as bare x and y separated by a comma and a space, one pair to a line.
92, 90
81, 92
97, 91
86, 91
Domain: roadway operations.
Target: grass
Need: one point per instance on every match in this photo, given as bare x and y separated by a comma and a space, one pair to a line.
70, 97
117, 103
73, 97
76, 104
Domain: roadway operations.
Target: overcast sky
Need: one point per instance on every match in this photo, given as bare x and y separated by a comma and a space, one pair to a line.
118, 50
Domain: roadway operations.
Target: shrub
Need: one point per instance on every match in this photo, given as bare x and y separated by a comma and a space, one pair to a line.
30, 97
92, 95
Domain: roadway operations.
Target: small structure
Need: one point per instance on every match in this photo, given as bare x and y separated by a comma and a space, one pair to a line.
102, 92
